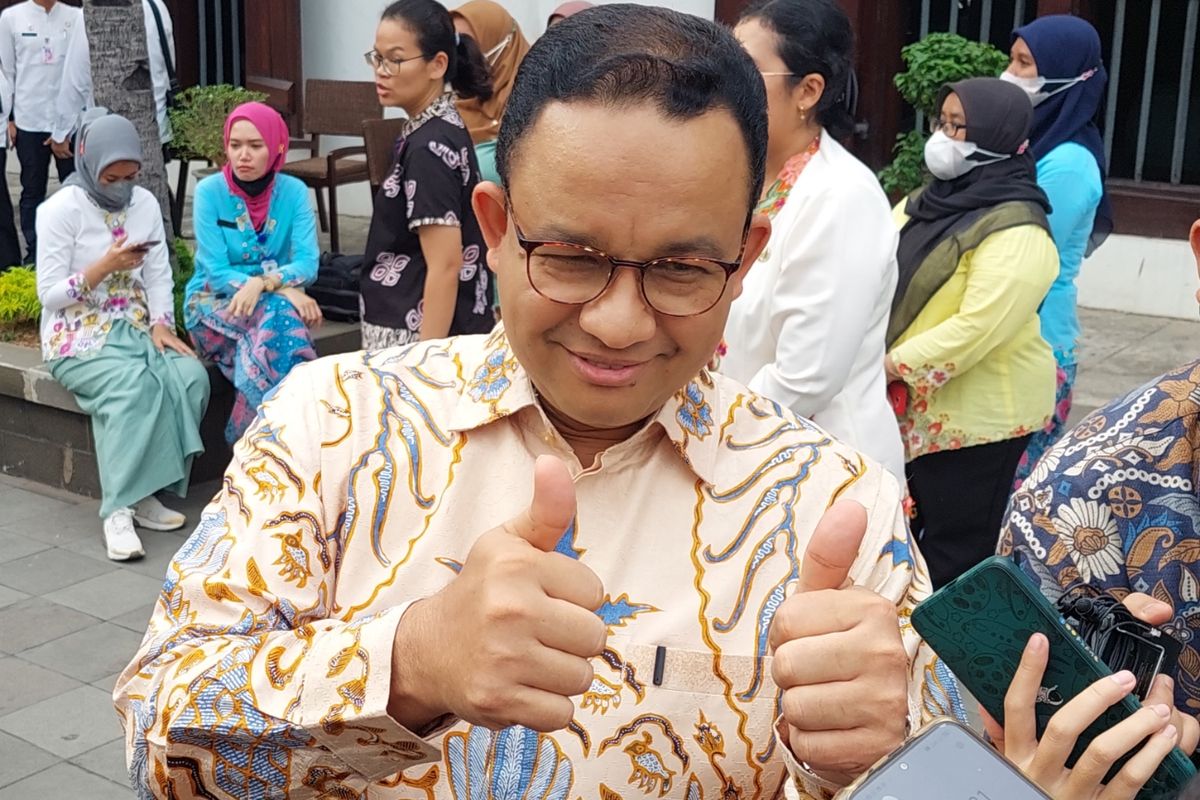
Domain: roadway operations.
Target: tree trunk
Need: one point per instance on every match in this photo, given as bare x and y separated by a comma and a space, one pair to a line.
116, 32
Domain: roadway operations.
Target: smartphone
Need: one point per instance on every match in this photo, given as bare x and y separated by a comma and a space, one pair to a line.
979, 625
948, 755
145, 245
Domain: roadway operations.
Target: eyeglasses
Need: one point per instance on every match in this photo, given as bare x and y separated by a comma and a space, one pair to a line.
949, 127
388, 66
574, 274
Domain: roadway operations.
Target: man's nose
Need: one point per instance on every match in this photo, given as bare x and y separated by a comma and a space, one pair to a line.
620, 317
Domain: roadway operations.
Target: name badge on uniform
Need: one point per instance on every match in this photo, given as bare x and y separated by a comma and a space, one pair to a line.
47, 53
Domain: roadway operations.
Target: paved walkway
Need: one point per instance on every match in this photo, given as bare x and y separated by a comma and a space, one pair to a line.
70, 619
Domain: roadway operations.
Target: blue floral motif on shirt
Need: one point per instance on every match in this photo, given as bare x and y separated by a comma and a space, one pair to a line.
694, 414
512, 764
492, 379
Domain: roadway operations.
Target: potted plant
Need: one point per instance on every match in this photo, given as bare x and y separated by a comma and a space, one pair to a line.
198, 120
931, 63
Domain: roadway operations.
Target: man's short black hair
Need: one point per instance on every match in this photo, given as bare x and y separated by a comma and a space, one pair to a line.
623, 54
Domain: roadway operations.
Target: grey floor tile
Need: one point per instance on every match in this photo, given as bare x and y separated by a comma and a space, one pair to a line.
36, 621
67, 725
109, 595
107, 683
21, 506
64, 526
10, 596
20, 759
22, 684
66, 780
87, 655
107, 761
13, 545
50, 570
136, 620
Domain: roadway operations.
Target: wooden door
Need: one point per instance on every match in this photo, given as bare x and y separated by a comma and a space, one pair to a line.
273, 63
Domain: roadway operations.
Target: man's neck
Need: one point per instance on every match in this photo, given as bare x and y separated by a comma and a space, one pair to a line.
46, 5
587, 442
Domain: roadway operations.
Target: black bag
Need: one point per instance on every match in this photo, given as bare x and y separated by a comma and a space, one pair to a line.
173, 86
336, 287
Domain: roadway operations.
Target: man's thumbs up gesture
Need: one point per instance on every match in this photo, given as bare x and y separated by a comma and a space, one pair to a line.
839, 658
507, 642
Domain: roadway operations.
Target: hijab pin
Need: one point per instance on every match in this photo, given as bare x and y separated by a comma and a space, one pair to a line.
1024, 147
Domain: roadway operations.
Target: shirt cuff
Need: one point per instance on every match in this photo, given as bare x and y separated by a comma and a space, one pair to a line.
167, 320
810, 785
344, 706
78, 289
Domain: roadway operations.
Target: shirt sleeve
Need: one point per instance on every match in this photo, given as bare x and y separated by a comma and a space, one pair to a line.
1008, 277
156, 274
434, 178
58, 286
1071, 179
246, 678
75, 91
301, 270
890, 565
834, 263
8, 63
212, 254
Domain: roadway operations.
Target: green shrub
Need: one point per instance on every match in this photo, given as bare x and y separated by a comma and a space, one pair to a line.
18, 296
185, 265
930, 64
198, 121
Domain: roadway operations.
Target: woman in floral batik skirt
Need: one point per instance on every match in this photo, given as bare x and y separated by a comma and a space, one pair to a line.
256, 250
972, 376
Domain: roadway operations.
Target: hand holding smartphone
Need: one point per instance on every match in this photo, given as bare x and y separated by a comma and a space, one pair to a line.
144, 247
980, 625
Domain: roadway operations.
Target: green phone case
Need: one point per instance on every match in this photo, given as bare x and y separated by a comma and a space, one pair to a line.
979, 625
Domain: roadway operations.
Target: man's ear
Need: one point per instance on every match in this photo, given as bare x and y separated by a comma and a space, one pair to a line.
1195, 240
491, 210
756, 241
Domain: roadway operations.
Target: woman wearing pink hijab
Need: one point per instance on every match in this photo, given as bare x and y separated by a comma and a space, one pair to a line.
256, 240
568, 9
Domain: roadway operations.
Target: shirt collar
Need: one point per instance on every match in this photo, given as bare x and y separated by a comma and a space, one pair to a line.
442, 108
497, 386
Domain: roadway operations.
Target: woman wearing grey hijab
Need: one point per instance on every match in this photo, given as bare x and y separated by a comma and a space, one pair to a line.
108, 332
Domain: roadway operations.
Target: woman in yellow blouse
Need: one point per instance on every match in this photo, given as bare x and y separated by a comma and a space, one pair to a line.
973, 378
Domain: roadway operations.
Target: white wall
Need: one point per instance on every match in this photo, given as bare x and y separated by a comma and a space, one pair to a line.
337, 32
1141, 276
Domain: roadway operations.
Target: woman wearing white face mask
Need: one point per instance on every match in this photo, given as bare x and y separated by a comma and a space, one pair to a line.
504, 46
972, 376
1056, 60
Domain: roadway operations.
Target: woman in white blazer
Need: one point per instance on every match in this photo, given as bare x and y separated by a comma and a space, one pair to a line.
808, 329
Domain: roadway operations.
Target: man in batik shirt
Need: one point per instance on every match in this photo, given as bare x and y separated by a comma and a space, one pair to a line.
706, 596
1115, 505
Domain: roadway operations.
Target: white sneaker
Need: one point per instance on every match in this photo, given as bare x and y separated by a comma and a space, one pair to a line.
120, 538
153, 515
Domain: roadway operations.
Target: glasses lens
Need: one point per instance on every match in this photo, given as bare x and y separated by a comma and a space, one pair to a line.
684, 286
568, 274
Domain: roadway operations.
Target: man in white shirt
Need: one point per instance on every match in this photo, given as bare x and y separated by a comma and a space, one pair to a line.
75, 94
10, 245
33, 41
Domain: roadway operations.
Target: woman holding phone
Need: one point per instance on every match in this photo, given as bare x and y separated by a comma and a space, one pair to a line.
108, 332
256, 250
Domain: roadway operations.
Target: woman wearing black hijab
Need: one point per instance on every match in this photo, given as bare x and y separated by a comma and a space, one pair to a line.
973, 377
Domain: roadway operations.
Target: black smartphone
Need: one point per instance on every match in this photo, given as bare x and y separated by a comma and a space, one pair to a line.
979, 625
145, 245
949, 756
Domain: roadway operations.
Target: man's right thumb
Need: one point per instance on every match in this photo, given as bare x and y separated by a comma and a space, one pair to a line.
552, 509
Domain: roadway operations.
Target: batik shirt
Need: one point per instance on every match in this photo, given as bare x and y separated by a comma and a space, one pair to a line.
1114, 505
431, 181
362, 487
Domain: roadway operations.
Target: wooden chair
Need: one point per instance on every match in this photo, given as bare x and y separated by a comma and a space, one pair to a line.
380, 136
333, 108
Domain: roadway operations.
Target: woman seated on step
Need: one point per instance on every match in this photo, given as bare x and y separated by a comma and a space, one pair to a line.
108, 332
256, 248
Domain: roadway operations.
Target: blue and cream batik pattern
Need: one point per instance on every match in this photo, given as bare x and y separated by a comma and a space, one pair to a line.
362, 487
1114, 505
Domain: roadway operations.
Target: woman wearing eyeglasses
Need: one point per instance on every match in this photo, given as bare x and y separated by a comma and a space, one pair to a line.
973, 376
1057, 61
808, 328
425, 273
504, 46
